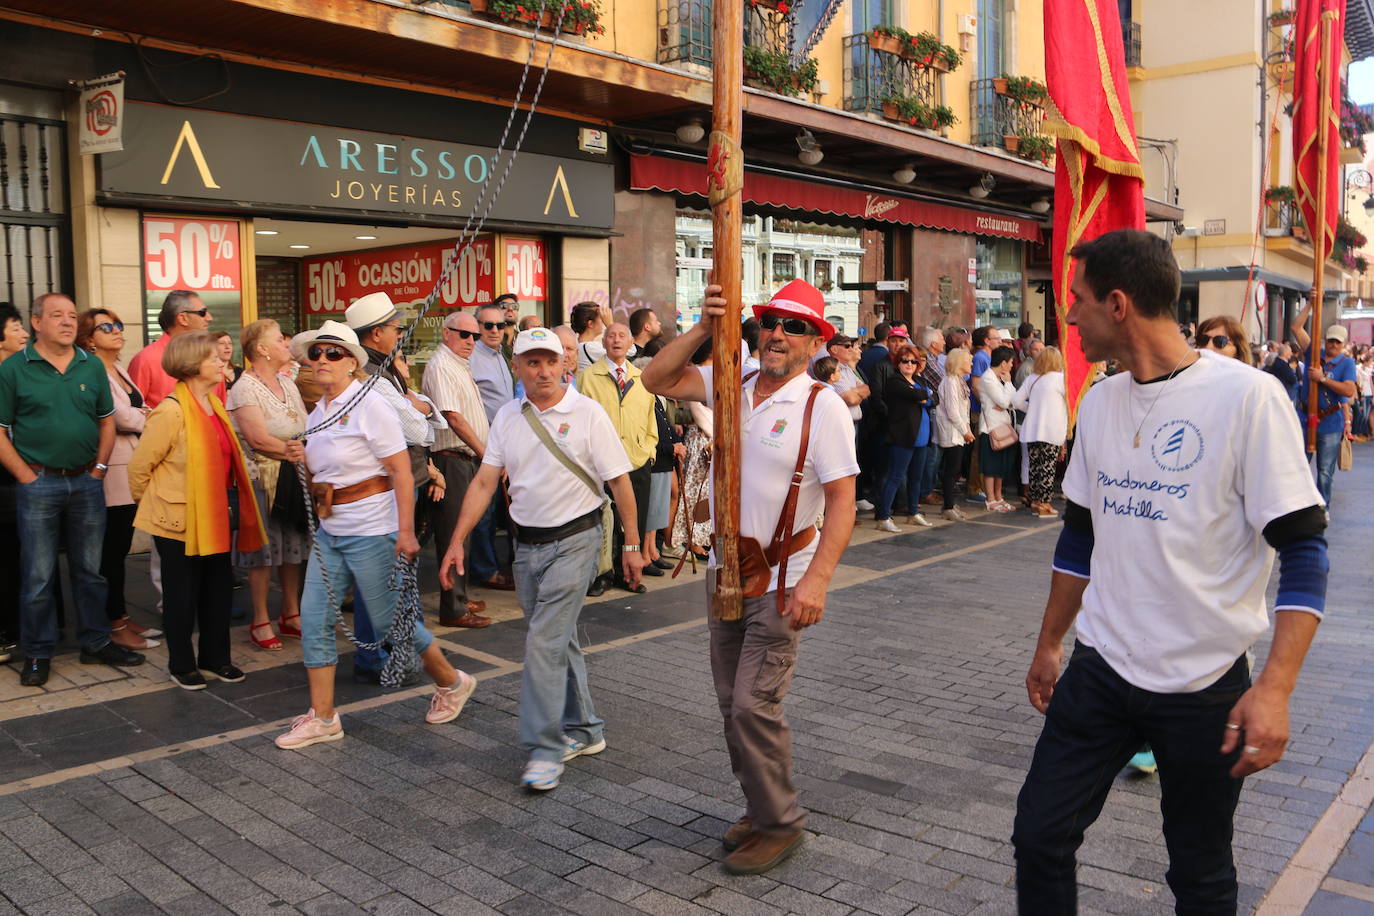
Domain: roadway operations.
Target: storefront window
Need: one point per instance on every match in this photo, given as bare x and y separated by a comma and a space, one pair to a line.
998, 294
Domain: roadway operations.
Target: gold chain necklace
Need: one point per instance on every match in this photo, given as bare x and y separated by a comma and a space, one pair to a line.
1167, 379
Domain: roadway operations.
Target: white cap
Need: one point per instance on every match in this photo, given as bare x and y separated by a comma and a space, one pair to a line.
1337, 332
538, 339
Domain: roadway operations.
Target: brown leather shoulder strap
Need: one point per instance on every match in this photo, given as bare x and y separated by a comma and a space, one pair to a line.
783, 533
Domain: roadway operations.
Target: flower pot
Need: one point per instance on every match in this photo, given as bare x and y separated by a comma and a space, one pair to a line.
888, 44
768, 4
1352, 155
999, 85
1012, 142
1284, 17
890, 111
479, 7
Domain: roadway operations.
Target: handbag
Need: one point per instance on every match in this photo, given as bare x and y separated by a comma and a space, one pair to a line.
1345, 461
288, 502
1000, 437
605, 562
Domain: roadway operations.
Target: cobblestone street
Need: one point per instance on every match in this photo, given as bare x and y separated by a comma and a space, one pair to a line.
912, 733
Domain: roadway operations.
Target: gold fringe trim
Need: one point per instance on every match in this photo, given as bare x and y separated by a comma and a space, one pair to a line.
1074, 134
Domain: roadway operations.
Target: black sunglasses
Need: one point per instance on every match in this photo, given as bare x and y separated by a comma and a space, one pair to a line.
1220, 340
792, 327
333, 354
909, 362
495, 325
465, 335
201, 312
109, 327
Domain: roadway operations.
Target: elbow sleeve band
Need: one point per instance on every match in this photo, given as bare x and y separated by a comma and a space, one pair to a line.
1303, 568
1074, 552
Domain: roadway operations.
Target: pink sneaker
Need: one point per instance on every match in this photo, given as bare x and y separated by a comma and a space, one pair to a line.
308, 729
447, 702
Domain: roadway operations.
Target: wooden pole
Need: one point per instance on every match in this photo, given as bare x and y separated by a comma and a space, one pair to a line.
1320, 249
725, 166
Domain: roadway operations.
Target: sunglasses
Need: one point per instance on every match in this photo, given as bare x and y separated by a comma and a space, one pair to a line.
201, 312
319, 351
909, 362
109, 327
792, 327
495, 325
1218, 340
465, 335
842, 346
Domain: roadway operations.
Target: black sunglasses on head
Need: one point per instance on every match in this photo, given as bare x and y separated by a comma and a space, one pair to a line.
333, 354
792, 327
1219, 340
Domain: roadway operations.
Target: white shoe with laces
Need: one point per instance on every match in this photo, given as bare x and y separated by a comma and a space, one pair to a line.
447, 702
920, 521
309, 729
574, 748
541, 775
887, 524
864, 505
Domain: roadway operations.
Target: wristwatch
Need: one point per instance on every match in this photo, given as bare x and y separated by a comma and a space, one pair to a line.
101, 467
629, 548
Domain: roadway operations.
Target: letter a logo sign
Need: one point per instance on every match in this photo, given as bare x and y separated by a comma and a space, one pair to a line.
187, 138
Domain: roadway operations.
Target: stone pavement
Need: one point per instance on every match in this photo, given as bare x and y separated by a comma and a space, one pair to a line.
122, 794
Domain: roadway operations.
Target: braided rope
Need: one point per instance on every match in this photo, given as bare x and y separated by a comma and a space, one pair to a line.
409, 612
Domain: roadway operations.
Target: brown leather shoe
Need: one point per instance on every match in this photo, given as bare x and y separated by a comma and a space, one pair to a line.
500, 582
737, 833
476, 607
761, 851
469, 620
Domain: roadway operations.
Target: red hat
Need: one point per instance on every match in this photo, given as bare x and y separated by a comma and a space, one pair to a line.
802, 300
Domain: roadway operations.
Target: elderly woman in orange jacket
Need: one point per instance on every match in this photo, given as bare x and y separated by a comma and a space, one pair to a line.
188, 475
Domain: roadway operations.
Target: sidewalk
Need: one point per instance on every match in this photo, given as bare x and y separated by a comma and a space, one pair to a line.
912, 737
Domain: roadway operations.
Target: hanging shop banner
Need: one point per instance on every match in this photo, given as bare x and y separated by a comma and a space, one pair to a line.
407, 275
102, 114
200, 255
263, 164
525, 273
657, 173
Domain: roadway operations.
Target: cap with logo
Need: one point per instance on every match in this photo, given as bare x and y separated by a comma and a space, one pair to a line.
799, 299
532, 339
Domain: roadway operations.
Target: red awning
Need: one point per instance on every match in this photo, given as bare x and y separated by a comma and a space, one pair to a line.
656, 173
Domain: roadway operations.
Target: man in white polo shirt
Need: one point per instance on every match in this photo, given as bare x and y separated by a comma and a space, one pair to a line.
753, 658
555, 500
1187, 475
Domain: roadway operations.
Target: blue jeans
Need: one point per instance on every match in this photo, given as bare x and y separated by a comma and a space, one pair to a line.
481, 558
907, 464
49, 507
1328, 450
551, 581
1095, 723
932, 467
364, 562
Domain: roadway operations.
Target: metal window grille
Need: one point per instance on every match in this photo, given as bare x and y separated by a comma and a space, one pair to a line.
33, 203
871, 76
684, 31
1130, 37
994, 115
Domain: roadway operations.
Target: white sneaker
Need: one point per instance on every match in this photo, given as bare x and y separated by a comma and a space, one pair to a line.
574, 748
307, 730
447, 702
541, 775
919, 520
887, 524
864, 505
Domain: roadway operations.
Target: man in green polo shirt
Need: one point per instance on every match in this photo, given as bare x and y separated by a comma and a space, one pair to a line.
56, 406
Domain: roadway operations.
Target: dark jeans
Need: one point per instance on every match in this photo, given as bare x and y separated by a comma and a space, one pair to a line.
49, 507
1096, 722
10, 569
904, 464
196, 591
458, 474
951, 459
640, 480
119, 535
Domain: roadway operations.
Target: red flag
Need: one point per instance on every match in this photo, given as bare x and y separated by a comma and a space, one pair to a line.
1308, 117
1098, 183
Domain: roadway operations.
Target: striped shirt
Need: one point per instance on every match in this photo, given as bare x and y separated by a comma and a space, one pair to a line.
449, 384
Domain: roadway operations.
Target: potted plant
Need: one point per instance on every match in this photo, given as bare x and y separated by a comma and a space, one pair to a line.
580, 16
889, 39
1012, 142
911, 111
1282, 17
782, 6
1036, 147
928, 53
1024, 89
773, 70
1280, 194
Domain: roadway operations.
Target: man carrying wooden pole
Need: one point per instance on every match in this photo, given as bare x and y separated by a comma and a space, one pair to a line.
784, 454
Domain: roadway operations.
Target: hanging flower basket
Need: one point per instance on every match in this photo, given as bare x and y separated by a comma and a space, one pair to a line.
1012, 142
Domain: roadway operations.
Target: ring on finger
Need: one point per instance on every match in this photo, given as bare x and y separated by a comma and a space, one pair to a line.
1232, 726
1251, 750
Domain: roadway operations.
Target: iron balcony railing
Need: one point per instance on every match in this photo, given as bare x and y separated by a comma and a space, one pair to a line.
684, 31
994, 116
871, 76
1130, 37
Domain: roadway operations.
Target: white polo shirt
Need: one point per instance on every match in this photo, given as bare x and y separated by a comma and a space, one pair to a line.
771, 436
349, 451
1180, 564
543, 493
